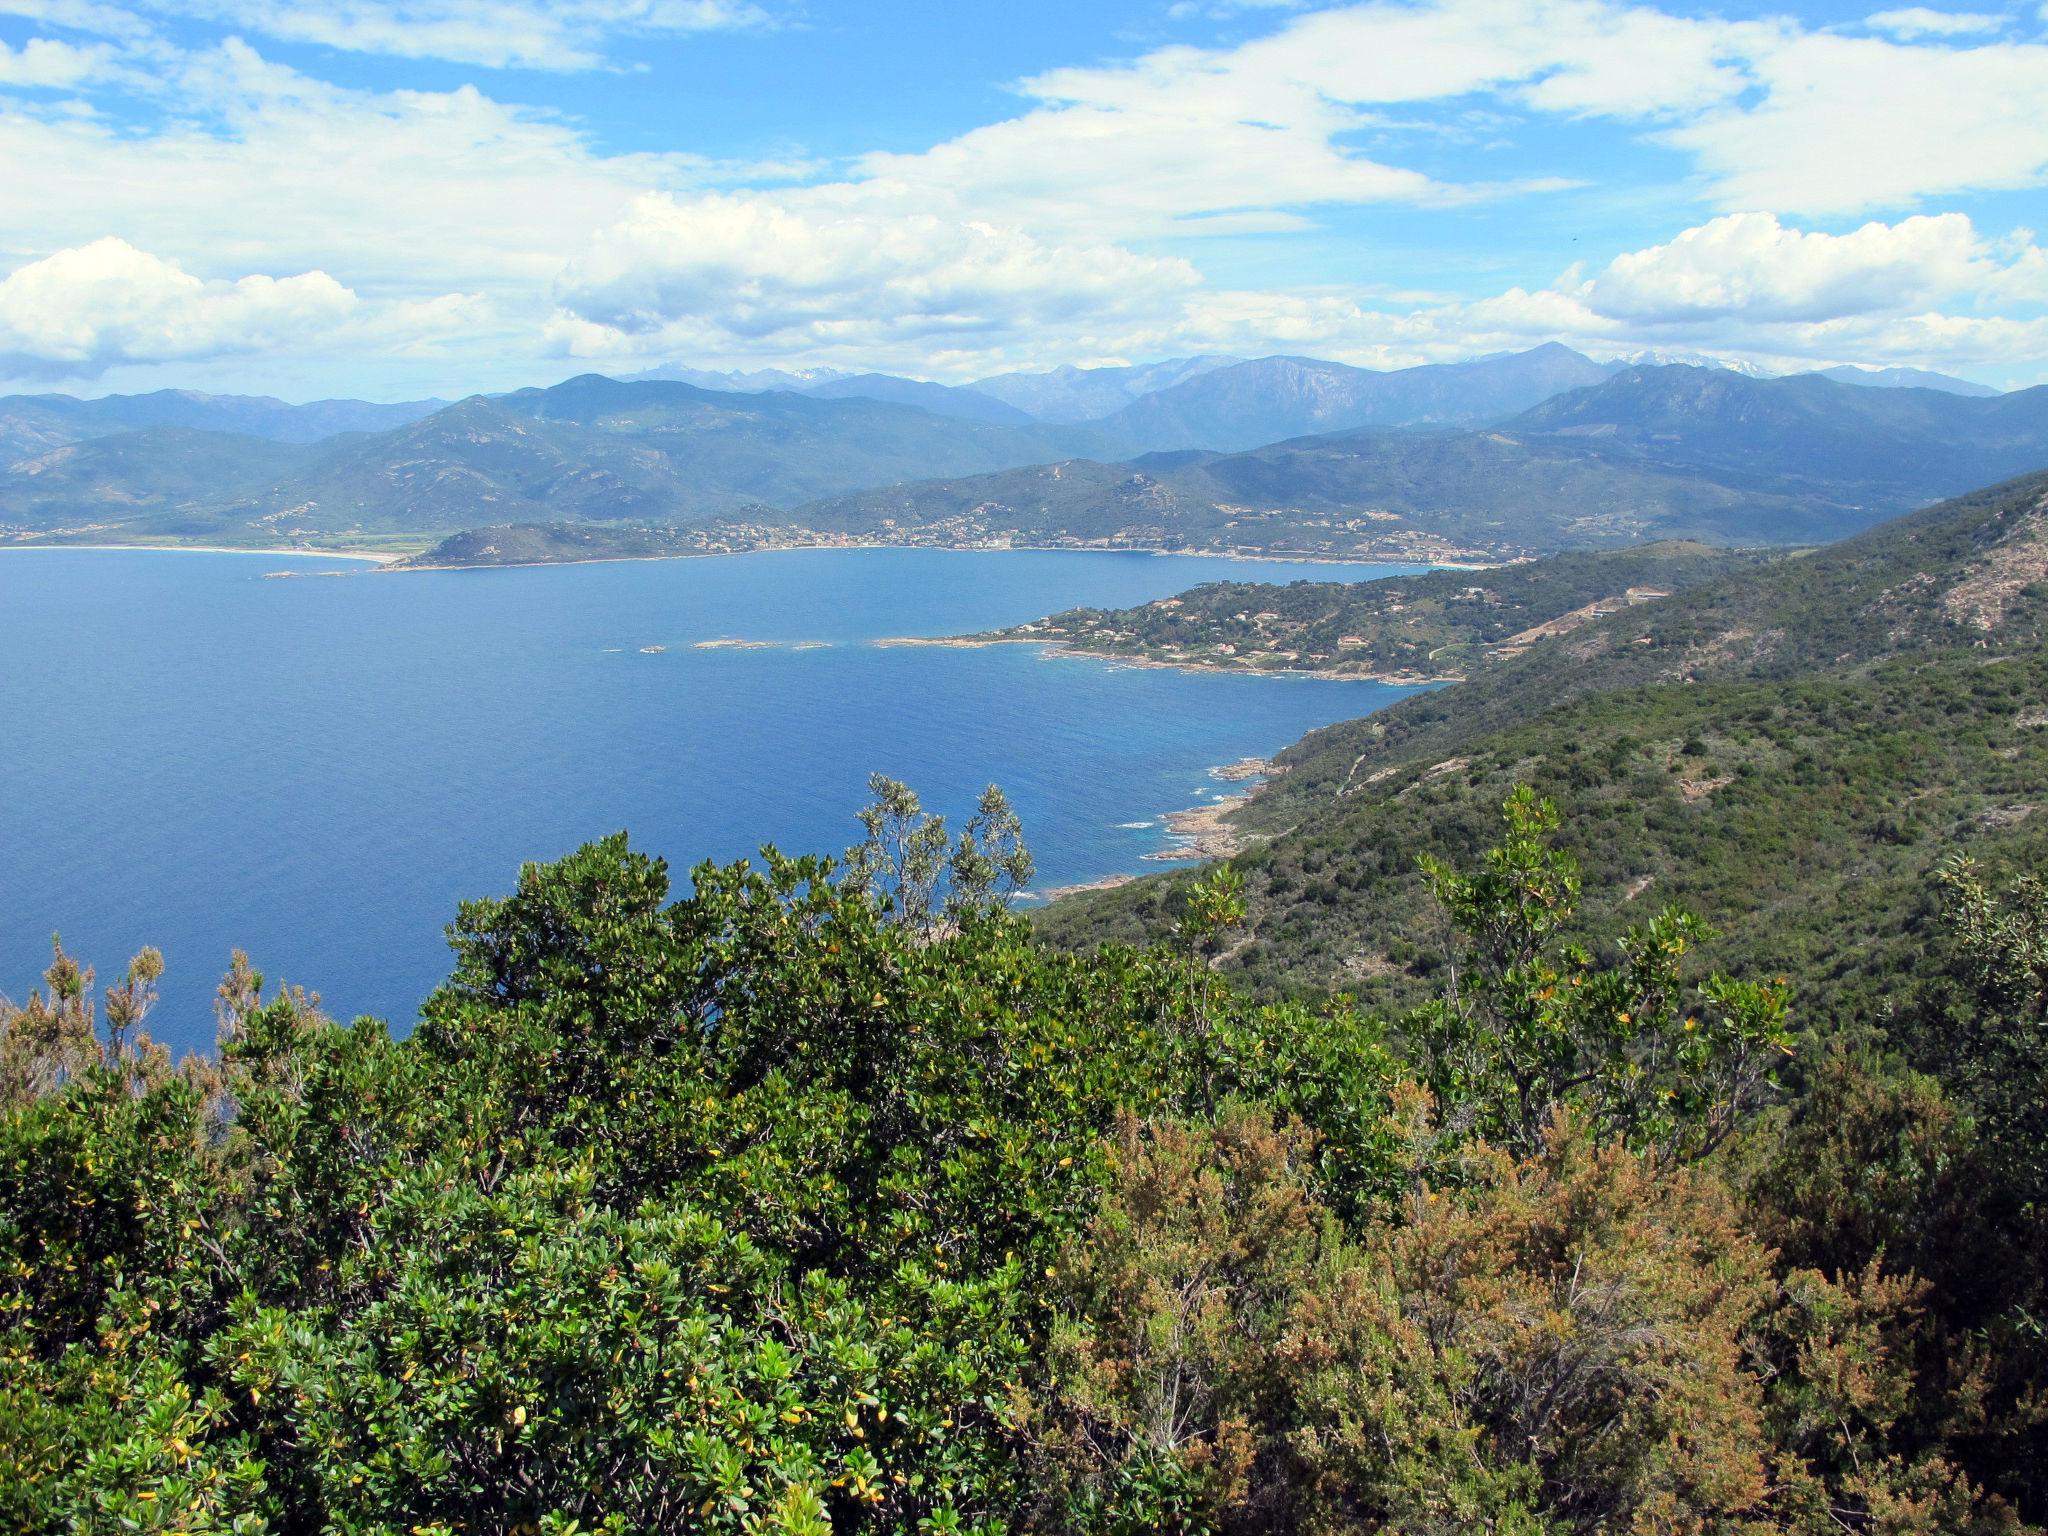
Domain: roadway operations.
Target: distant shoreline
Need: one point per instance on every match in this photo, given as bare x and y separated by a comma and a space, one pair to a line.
214, 549
401, 564
957, 549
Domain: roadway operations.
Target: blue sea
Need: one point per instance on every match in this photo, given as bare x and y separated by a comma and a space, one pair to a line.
195, 756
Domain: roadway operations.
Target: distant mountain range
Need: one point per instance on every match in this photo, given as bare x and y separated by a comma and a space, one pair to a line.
1227, 403
942, 399
1247, 404
1088, 394
1279, 454
1883, 447
1904, 378
590, 449
34, 423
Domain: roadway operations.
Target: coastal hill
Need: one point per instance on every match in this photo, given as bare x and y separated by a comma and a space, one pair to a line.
1426, 627
1791, 747
1376, 495
158, 482
597, 449
1651, 453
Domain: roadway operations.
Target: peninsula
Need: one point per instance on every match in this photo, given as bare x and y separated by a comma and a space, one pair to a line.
1425, 628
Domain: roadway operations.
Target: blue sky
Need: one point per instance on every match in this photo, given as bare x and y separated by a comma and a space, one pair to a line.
402, 197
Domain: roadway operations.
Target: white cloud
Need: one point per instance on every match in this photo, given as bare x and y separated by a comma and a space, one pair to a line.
1743, 287
1918, 21
81, 16
1051, 233
750, 271
1751, 267
80, 311
1847, 124
47, 64
741, 280
400, 194
546, 34
1184, 136
1773, 115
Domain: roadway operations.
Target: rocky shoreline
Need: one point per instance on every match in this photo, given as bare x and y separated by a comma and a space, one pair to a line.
1199, 832
1056, 647
1204, 832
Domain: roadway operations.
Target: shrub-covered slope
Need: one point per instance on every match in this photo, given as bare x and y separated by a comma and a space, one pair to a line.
1791, 748
801, 1206
1429, 625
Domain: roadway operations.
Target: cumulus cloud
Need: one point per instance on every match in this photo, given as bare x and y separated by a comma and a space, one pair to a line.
1918, 21
1743, 285
1067, 228
557, 34
44, 63
1845, 124
1774, 115
749, 270
80, 311
743, 279
1750, 266
403, 194
1230, 140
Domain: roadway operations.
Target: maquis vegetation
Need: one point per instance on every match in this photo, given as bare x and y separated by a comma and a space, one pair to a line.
824, 1197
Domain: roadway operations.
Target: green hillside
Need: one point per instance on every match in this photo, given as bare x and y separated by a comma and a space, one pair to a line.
158, 481
1791, 749
824, 1198
1424, 627
1371, 494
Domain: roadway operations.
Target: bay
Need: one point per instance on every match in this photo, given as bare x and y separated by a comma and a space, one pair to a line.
199, 757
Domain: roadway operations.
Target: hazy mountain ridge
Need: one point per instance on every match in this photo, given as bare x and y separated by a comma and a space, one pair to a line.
1904, 378
1883, 444
940, 399
1274, 398
33, 423
1072, 394
1646, 453
589, 449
